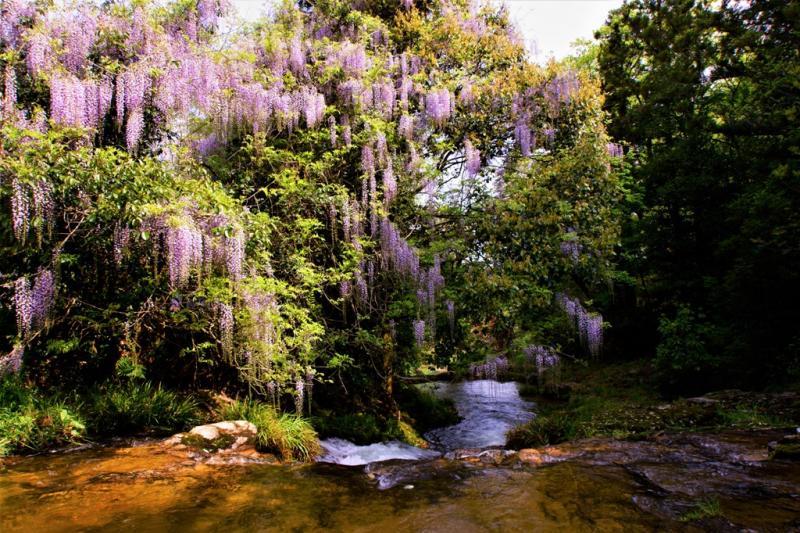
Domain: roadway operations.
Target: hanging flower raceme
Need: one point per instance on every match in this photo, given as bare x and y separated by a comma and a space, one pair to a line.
9, 91
33, 303
184, 251
79, 35
122, 237
588, 325
493, 369
389, 183
225, 326
467, 95
570, 247
615, 150
20, 209
299, 389
405, 127
439, 106
419, 333
29, 204
522, 134
473, 159
23, 305
39, 57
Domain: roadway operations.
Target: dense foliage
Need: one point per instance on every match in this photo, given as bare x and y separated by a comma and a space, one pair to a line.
705, 97
301, 209
275, 205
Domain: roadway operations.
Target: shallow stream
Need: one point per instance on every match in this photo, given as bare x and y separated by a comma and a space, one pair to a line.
595, 485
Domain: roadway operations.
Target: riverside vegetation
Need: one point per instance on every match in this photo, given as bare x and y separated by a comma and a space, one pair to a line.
303, 210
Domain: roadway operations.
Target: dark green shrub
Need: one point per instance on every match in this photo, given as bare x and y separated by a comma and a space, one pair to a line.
683, 361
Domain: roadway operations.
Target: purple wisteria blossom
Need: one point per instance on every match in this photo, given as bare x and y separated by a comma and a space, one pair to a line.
522, 134
23, 305
225, 325
332, 128
184, 252
473, 159
122, 237
299, 396
419, 333
33, 303
9, 90
493, 369
367, 160
439, 106
405, 127
20, 209
389, 183
614, 150
588, 325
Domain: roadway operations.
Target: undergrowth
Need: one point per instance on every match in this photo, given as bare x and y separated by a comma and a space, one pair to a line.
290, 436
620, 401
30, 421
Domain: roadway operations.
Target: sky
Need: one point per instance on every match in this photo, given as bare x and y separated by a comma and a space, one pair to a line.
551, 26
548, 26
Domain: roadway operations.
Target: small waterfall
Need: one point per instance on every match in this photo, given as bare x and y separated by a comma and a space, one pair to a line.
343, 452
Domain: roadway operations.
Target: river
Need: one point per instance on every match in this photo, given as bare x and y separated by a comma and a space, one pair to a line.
597, 485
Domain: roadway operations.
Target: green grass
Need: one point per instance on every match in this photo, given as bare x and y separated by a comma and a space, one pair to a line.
620, 401
30, 421
751, 416
708, 508
139, 407
290, 436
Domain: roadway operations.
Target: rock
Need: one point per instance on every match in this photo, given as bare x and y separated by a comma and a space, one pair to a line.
174, 440
787, 448
209, 432
531, 456
229, 436
703, 400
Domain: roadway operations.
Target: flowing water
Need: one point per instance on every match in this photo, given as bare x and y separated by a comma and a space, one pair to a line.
596, 485
489, 409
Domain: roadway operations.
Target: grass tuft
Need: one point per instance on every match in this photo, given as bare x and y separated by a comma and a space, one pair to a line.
708, 508
292, 437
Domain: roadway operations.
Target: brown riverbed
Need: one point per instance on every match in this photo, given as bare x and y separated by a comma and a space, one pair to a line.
594, 485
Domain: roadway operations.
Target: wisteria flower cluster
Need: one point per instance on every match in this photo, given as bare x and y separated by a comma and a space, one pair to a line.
145, 79
493, 369
34, 302
543, 357
589, 325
